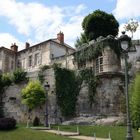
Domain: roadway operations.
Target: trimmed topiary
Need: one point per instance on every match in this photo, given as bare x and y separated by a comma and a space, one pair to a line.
7, 123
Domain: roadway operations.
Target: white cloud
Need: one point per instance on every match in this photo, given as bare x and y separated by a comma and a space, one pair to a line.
41, 21
7, 39
127, 9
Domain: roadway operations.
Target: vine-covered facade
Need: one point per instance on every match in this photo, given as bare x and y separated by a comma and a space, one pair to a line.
93, 85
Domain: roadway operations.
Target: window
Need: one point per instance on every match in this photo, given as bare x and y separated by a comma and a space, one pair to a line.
19, 64
12, 65
52, 56
23, 63
36, 61
30, 60
99, 64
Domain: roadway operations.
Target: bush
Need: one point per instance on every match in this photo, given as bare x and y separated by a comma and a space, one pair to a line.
7, 123
36, 121
7, 80
19, 75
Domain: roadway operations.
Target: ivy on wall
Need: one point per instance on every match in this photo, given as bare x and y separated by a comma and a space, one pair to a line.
94, 49
41, 73
90, 80
68, 85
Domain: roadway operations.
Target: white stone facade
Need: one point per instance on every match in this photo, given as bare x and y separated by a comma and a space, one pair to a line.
32, 57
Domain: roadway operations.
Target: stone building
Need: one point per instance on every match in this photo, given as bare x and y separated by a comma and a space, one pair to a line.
107, 66
32, 57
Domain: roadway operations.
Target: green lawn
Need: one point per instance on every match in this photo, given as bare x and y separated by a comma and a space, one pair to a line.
22, 133
117, 132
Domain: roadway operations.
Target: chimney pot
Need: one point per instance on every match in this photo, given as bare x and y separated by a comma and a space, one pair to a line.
60, 37
27, 45
14, 47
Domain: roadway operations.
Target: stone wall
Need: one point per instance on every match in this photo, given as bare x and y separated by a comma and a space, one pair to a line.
108, 97
13, 106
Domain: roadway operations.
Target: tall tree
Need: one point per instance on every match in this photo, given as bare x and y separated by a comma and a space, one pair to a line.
83, 39
100, 23
131, 26
135, 101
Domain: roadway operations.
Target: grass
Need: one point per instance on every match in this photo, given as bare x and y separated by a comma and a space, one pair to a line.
23, 133
116, 132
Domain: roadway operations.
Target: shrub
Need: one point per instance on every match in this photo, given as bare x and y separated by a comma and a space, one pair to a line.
33, 94
7, 80
36, 121
7, 123
19, 75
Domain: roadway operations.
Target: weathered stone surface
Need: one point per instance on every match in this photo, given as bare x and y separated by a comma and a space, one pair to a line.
96, 120
108, 97
107, 103
13, 106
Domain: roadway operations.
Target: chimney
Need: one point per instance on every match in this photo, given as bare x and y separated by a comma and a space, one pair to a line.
60, 37
14, 47
27, 45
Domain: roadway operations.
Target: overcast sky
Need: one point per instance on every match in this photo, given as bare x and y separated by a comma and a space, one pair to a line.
34, 21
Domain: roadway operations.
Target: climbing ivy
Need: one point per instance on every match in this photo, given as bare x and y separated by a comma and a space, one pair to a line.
41, 73
68, 85
94, 49
90, 80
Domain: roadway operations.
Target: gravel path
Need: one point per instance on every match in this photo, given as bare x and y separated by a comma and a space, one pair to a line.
73, 135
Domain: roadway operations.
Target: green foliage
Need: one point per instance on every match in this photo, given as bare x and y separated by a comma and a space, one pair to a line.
33, 94
67, 88
80, 41
131, 26
93, 50
135, 101
90, 79
99, 23
19, 75
7, 79
41, 73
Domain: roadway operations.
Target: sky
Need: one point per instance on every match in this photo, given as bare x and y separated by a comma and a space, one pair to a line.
35, 21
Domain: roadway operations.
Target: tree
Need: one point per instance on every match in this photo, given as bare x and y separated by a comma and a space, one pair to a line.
33, 95
131, 26
135, 101
83, 39
99, 23
96, 24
